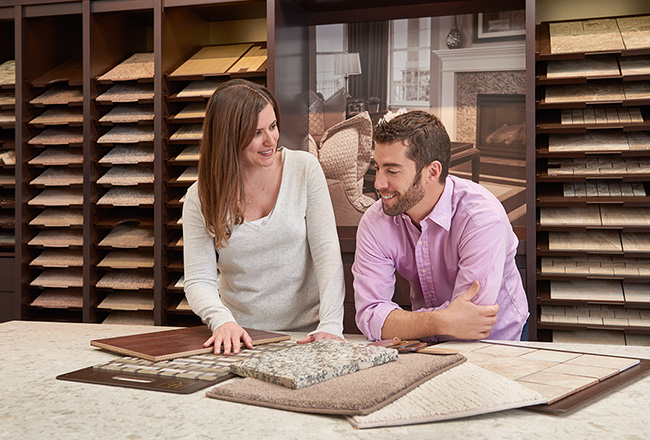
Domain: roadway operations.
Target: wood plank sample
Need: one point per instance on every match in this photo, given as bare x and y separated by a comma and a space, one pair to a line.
212, 60
171, 344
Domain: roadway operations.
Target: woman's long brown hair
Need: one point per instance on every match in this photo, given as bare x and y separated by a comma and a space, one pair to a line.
229, 126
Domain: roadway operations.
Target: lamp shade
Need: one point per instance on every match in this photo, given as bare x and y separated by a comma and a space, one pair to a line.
347, 64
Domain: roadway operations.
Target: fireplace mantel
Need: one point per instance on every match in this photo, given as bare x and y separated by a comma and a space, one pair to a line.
474, 59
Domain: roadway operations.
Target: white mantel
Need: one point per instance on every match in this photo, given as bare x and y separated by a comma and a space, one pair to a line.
472, 59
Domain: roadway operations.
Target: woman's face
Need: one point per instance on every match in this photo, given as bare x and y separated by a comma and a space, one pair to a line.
261, 150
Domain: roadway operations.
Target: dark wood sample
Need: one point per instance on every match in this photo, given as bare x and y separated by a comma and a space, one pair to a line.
170, 344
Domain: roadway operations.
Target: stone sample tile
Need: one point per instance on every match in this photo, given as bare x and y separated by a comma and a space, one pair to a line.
506, 350
552, 393
519, 368
638, 140
599, 373
581, 215
635, 241
308, 364
640, 340
585, 241
590, 141
590, 92
587, 290
593, 360
603, 337
601, 65
637, 90
635, 65
595, 35
636, 292
624, 216
635, 31
464, 346
550, 355
564, 380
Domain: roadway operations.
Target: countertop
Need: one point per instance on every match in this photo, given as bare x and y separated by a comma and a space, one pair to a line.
35, 405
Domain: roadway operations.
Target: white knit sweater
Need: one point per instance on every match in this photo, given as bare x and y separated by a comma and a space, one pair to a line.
281, 273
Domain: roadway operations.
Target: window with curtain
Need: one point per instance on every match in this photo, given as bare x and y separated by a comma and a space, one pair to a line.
330, 41
410, 55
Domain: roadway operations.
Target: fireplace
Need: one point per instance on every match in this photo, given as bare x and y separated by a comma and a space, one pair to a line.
501, 125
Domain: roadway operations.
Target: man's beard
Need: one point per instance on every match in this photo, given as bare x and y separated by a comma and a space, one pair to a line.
406, 201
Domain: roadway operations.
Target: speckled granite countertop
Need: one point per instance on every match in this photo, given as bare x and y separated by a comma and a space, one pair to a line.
34, 405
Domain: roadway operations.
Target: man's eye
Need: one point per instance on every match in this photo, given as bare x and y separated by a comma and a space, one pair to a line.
393, 172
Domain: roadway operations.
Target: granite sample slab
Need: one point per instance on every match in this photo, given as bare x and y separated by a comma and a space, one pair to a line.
635, 31
609, 90
601, 65
635, 65
585, 241
581, 215
587, 290
607, 140
596, 35
308, 364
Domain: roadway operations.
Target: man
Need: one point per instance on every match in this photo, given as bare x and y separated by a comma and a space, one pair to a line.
441, 233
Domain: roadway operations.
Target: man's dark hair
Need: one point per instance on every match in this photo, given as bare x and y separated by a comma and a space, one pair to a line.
423, 134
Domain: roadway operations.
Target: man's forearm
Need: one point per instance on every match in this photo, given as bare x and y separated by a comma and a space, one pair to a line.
413, 325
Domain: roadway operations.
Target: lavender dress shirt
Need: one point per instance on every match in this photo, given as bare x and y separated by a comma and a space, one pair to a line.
466, 237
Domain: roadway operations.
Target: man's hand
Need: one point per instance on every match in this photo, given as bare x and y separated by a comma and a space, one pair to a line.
463, 319
230, 335
317, 337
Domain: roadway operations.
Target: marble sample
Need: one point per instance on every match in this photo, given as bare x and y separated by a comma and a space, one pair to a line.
608, 140
585, 241
596, 35
581, 215
308, 364
635, 65
635, 31
635, 241
587, 290
624, 216
637, 292
610, 90
601, 65
636, 89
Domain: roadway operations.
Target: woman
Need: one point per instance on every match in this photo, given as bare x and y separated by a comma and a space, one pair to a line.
259, 216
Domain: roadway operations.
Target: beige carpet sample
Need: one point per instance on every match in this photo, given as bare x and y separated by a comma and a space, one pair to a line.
53, 176
127, 259
602, 65
8, 73
307, 364
58, 217
127, 92
127, 134
354, 393
59, 94
200, 88
597, 35
58, 136
129, 113
59, 299
59, 278
59, 116
128, 301
129, 155
128, 236
57, 238
635, 31
58, 156
127, 175
58, 258
137, 66
126, 280
212, 60
127, 196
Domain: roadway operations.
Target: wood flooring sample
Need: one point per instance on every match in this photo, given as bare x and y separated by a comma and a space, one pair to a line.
212, 60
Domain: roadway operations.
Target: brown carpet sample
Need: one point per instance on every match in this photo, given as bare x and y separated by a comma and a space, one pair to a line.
59, 95
58, 136
59, 258
137, 66
127, 280
57, 238
59, 116
59, 177
59, 299
129, 259
127, 92
59, 278
58, 217
126, 175
127, 134
125, 113
128, 155
127, 197
58, 197
58, 156
355, 393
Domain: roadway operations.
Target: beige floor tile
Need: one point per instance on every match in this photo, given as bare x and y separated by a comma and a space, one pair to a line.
591, 141
514, 368
586, 67
506, 350
640, 340
601, 92
550, 355
552, 393
563, 380
592, 360
635, 31
595, 35
616, 321
624, 216
602, 337
599, 373
464, 347
596, 290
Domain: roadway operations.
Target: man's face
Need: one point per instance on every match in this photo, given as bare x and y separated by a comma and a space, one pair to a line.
397, 180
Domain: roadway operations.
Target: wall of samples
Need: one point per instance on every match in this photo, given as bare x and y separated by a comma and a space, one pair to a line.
593, 172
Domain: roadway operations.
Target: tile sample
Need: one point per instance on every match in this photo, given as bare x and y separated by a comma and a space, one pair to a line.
601, 65
563, 380
635, 65
590, 92
637, 292
590, 141
587, 290
593, 360
585, 241
636, 90
595, 35
635, 241
581, 215
624, 216
635, 31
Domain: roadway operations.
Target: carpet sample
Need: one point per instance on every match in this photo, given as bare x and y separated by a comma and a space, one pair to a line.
303, 365
58, 217
59, 258
127, 197
131, 301
8, 73
125, 175
355, 393
137, 66
59, 299
127, 236
125, 113
129, 259
59, 116
57, 238
127, 92
129, 318
58, 156
59, 278
129, 155
53, 197
127, 134
464, 391
58, 136
126, 280
59, 95
201, 88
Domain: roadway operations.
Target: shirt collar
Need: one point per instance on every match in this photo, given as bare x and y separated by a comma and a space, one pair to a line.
442, 211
